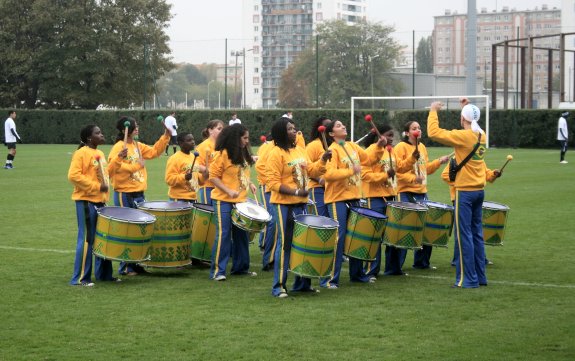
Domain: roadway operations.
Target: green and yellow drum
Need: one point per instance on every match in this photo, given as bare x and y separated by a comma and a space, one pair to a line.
493, 222
203, 231
124, 234
250, 216
313, 245
405, 223
438, 224
365, 229
171, 240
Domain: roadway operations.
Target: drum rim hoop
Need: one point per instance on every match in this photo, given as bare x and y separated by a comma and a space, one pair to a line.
151, 221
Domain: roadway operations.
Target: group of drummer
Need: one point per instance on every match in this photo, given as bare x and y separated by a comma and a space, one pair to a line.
330, 172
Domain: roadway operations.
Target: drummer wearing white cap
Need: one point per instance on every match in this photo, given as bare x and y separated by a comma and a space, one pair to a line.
469, 184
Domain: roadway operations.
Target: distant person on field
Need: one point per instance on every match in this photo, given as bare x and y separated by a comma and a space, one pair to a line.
563, 135
288, 115
172, 125
235, 119
10, 138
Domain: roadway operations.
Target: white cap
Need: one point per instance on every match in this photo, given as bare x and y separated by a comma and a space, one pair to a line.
471, 113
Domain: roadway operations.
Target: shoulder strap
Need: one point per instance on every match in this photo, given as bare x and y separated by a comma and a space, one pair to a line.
460, 165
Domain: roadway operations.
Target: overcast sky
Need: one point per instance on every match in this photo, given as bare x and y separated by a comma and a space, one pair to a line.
198, 29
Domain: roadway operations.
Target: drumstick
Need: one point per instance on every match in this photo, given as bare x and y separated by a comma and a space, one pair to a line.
342, 144
416, 134
509, 158
135, 138
126, 129
389, 148
263, 139
369, 119
371, 131
321, 130
193, 163
101, 169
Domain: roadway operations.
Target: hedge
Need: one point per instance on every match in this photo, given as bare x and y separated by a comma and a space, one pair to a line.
508, 128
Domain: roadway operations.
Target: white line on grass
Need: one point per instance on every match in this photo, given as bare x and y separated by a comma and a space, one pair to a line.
38, 249
509, 283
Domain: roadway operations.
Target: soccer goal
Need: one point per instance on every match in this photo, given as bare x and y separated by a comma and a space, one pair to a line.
419, 102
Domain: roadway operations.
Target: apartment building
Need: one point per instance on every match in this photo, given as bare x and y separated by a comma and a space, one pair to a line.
279, 30
493, 27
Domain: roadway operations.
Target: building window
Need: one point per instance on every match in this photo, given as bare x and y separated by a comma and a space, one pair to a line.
318, 5
256, 70
256, 18
256, 80
256, 49
256, 90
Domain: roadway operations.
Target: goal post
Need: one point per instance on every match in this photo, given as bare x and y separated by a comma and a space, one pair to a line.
482, 101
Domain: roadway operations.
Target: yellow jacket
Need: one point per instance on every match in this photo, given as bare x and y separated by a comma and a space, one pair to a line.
380, 163
472, 176
406, 178
233, 176
206, 150
87, 176
176, 168
127, 174
314, 151
263, 153
291, 168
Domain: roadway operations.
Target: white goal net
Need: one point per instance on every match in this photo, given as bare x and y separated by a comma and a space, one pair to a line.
418, 103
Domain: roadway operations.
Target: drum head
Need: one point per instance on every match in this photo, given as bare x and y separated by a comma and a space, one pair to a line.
408, 206
316, 221
368, 212
253, 211
164, 205
432, 204
204, 207
130, 215
495, 206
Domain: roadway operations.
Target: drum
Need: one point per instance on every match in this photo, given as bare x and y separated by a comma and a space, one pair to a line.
405, 223
364, 231
493, 222
203, 231
124, 234
250, 217
171, 240
438, 224
313, 245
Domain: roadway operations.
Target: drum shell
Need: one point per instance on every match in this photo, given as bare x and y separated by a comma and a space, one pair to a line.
364, 233
172, 232
438, 224
203, 231
247, 223
493, 222
313, 245
405, 222
123, 234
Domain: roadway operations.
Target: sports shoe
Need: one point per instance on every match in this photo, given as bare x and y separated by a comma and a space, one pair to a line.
372, 279
251, 274
8, 166
87, 284
220, 278
115, 279
564, 162
332, 287
282, 295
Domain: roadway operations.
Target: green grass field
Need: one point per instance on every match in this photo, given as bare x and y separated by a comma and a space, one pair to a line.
526, 313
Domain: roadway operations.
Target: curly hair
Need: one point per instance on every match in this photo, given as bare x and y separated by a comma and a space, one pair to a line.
229, 139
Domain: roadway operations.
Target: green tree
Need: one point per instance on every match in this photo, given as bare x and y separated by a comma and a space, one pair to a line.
348, 56
424, 55
80, 53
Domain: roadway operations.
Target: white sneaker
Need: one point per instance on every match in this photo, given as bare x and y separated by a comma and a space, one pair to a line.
282, 295
564, 162
220, 278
